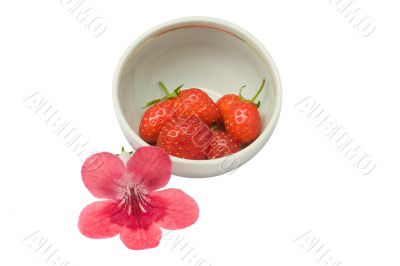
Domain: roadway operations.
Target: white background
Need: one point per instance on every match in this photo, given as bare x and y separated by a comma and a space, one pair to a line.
298, 183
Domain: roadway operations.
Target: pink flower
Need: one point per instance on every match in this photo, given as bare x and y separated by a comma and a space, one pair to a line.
133, 209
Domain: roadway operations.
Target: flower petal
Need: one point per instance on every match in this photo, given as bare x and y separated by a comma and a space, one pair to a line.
151, 167
95, 220
103, 174
174, 208
141, 237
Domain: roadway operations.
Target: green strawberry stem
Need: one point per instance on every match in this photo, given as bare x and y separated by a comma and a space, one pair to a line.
168, 95
259, 91
255, 96
214, 127
164, 88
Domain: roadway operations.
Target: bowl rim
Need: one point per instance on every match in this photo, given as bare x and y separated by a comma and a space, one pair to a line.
261, 140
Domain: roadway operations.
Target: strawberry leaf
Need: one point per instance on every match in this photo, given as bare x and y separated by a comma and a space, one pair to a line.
151, 103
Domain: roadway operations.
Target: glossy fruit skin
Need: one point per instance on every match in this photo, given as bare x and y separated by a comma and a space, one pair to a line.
186, 138
155, 118
225, 103
196, 102
243, 122
222, 144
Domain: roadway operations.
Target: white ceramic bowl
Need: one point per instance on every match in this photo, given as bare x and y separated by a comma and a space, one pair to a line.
202, 52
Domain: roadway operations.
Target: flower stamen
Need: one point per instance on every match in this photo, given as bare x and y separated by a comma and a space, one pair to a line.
134, 201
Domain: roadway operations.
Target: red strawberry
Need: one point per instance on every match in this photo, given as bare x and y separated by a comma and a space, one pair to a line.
222, 144
154, 119
225, 103
243, 120
160, 113
196, 102
185, 138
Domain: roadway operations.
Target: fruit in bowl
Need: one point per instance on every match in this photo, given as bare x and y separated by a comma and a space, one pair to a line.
207, 53
240, 116
188, 124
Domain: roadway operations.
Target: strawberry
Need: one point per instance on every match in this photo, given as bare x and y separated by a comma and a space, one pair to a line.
160, 112
196, 102
154, 119
242, 120
222, 144
225, 103
185, 138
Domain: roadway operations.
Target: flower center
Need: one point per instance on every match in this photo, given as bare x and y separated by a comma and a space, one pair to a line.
134, 201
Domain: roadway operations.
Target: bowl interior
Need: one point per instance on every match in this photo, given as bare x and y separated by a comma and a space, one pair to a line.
211, 57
